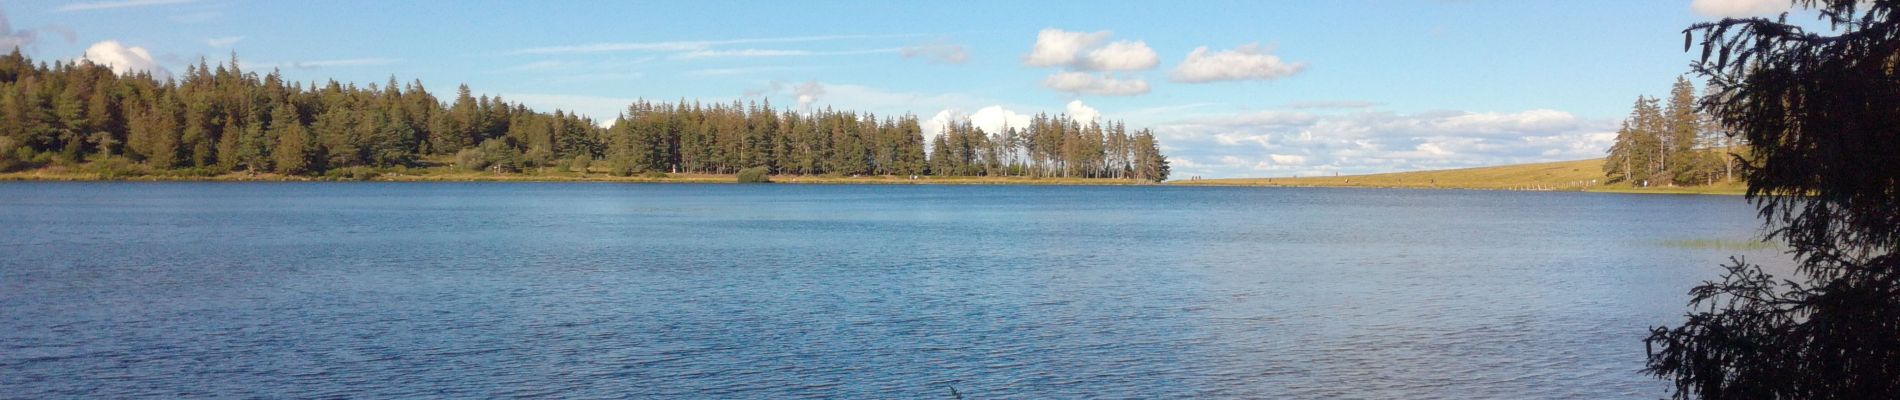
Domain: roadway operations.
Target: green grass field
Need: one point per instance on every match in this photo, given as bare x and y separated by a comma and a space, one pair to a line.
1580, 175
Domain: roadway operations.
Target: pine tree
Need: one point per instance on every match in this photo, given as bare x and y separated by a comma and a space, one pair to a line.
295, 148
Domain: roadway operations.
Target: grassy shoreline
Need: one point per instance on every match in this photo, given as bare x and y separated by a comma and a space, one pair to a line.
1561, 176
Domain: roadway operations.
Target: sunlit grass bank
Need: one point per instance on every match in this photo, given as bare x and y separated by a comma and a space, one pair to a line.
1581, 175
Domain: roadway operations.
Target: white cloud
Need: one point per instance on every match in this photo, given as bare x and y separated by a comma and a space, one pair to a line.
103, 5
936, 124
1248, 62
1084, 51
990, 119
1082, 113
1056, 47
1494, 123
1122, 56
122, 59
808, 93
937, 52
1282, 143
222, 42
1739, 8
1087, 63
993, 119
1087, 83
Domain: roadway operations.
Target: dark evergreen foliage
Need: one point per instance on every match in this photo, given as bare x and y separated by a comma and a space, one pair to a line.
1666, 144
1821, 114
219, 118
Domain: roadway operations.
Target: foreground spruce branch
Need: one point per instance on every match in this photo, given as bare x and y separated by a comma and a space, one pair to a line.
1821, 115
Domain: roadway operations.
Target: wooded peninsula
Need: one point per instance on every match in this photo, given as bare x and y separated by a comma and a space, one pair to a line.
79, 120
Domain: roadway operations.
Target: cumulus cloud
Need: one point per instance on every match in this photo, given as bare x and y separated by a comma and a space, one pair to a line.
1082, 113
1084, 51
937, 52
1056, 47
222, 42
122, 59
808, 93
935, 125
990, 119
1739, 8
1122, 56
996, 118
1283, 143
1248, 62
1096, 84
1089, 66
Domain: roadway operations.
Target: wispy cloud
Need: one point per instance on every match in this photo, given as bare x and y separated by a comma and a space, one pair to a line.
1248, 62
222, 42
1087, 83
697, 54
106, 5
938, 52
753, 53
740, 70
689, 45
352, 62
1331, 104
10, 39
616, 65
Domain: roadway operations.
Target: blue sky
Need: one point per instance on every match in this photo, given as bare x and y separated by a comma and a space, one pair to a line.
1276, 89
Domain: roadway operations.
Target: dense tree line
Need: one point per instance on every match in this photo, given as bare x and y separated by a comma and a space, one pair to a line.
725, 138
220, 118
1670, 144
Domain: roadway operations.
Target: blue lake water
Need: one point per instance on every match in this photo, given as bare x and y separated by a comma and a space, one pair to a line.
111, 290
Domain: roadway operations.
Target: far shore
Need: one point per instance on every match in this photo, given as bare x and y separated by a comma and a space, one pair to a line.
437, 175
1561, 176
1565, 176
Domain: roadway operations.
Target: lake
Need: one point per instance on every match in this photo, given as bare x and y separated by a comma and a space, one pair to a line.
111, 290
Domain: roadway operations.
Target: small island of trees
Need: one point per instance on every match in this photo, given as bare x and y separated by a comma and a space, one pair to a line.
220, 119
